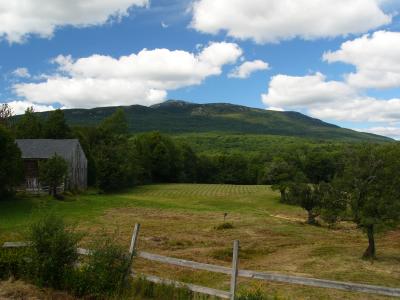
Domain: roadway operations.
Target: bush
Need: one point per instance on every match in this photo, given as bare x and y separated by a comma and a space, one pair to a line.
104, 273
53, 252
12, 263
224, 226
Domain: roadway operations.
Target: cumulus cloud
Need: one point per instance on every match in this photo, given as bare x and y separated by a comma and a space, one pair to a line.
21, 73
376, 58
331, 100
21, 18
247, 68
142, 78
300, 91
19, 107
274, 20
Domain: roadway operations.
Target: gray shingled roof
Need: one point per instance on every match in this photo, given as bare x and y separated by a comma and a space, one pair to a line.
46, 148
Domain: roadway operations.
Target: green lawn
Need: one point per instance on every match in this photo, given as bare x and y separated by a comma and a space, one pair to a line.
179, 220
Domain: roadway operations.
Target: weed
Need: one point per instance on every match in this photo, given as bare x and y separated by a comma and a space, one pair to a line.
225, 226
53, 251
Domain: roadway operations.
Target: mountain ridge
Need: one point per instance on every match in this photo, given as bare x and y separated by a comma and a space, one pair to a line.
178, 116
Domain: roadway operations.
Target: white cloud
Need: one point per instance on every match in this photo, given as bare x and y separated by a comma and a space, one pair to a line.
142, 78
275, 20
21, 72
393, 132
19, 107
300, 91
247, 68
329, 100
21, 18
376, 58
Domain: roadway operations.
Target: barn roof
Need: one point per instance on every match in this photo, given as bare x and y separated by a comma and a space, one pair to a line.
46, 148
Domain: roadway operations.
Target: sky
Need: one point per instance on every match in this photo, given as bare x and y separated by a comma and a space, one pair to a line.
336, 60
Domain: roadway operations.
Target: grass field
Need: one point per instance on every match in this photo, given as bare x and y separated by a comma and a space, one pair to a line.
179, 220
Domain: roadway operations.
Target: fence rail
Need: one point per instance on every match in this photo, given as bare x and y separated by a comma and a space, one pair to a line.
234, 272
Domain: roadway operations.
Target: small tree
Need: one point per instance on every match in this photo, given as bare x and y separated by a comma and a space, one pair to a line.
29, 126
309, 197
116, 123
280, 174
56, 126
5, 114
370, 186
10, 163
53, 173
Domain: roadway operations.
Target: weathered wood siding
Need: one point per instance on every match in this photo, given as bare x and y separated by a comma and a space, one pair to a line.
77, 177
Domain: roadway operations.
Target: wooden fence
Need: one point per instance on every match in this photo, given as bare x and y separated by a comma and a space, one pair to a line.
233, 271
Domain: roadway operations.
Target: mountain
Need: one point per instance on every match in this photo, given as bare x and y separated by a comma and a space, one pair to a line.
178, 117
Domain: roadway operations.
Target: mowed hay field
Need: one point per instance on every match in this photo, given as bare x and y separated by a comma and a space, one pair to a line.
180, 220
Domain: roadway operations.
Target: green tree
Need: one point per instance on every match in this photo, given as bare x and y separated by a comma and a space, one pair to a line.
55, 126
116, 164
189, 164
29, 126
116, 123
115, 158
53, 173
370, 186
5, 115
280, 174
10, 163
320, 166
309, 197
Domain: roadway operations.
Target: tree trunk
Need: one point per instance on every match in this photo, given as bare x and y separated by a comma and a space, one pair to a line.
283, 195
370, 252
54, 191
311, 218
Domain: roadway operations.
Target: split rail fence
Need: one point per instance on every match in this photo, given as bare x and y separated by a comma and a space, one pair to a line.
233, 271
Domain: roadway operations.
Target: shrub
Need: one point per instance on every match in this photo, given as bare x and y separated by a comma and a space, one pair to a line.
12, 263
104, 273
53, 252
224, 226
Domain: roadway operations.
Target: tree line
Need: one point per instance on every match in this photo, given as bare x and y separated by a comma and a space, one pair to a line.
359, 183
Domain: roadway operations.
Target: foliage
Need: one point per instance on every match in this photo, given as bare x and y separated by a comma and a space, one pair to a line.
10, 163
280, 174
55, 126
53, 172
5, 115
160, 158
53, 251
116, 123
370, 186
104, 273
29, 126
224, 226
12, 263
309, 197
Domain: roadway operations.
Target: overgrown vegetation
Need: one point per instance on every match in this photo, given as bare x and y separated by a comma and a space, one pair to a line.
52, 173
53, 252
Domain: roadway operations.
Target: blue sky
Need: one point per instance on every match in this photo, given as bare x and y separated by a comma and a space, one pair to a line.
337, 60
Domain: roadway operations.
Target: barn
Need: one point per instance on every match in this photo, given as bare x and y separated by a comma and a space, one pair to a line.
37, 150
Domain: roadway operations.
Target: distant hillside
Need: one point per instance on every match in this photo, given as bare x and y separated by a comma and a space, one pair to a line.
177, 117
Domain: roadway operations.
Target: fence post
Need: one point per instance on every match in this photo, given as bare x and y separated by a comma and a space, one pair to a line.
134, 239
132, 247
235, 265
